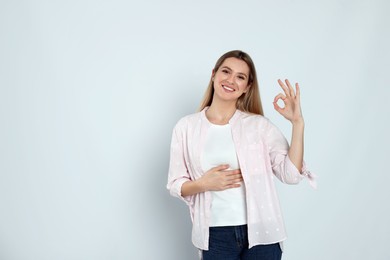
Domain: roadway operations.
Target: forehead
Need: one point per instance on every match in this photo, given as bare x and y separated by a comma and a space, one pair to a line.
236, 65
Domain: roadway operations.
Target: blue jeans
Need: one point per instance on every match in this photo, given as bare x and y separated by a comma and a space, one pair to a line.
231, 243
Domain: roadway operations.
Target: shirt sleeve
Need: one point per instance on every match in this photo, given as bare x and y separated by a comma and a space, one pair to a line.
282, 166
178, 171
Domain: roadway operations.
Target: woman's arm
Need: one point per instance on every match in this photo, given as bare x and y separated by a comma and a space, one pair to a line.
216, 179
296, 148
292, 112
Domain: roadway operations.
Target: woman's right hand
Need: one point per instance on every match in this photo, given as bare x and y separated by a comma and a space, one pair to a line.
219, 178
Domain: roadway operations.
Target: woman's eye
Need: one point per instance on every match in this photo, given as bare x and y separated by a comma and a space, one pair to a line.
241, 77
225, 71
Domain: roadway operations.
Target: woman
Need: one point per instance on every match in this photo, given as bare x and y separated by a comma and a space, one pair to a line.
223, 160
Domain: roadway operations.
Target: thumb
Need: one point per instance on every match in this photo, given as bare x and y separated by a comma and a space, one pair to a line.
277, 107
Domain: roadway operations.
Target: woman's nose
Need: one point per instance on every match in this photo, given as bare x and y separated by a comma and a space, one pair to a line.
230, 78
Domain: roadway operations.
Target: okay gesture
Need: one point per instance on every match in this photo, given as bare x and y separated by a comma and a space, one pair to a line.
292, 104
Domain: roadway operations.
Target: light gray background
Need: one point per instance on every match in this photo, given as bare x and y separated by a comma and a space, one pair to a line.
90, 92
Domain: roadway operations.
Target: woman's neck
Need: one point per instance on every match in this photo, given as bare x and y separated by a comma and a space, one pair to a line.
220, 113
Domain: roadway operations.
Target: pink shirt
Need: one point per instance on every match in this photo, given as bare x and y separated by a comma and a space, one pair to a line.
262, 154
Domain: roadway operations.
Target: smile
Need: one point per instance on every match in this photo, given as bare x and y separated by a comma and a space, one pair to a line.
228, 88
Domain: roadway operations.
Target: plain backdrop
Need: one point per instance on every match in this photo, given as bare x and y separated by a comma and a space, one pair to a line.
90, 92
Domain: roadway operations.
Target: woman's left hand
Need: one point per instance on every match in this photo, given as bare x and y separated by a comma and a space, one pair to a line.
292, 104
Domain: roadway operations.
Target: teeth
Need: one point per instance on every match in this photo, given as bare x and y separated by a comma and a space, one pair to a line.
230, 89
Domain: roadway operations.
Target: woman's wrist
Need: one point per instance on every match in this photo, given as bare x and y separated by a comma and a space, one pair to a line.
199, 185
192, 187
298, 122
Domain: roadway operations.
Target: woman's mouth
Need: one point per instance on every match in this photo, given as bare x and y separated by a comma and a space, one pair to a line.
229, 89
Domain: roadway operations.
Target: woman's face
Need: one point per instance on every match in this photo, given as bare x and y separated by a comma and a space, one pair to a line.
231, 79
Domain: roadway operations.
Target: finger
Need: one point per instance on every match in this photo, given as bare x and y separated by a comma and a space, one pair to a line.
238, 181
233, 180
290, 88
277, 107
232, 186
279, 96
220, 167
236, 178
285, 89
298, 91
232, 172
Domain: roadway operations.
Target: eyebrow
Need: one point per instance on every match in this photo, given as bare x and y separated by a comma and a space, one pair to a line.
226, 67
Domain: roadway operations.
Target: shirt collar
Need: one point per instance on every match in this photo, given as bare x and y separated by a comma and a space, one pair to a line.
232, 120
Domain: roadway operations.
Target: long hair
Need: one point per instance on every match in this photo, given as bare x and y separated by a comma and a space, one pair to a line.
247, 102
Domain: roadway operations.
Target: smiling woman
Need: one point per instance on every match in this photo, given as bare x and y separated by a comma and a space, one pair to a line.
248, 102
223, 160
231, 81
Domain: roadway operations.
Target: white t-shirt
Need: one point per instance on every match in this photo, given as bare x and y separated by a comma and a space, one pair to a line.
228, 207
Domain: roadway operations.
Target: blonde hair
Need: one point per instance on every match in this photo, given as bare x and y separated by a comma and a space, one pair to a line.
249, 101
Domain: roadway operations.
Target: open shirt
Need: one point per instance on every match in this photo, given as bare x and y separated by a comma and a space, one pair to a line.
262, 154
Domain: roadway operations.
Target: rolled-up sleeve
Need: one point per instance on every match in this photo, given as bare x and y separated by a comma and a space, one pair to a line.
282, 167
178, 171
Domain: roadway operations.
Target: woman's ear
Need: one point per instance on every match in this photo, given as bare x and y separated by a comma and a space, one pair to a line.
212, 75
